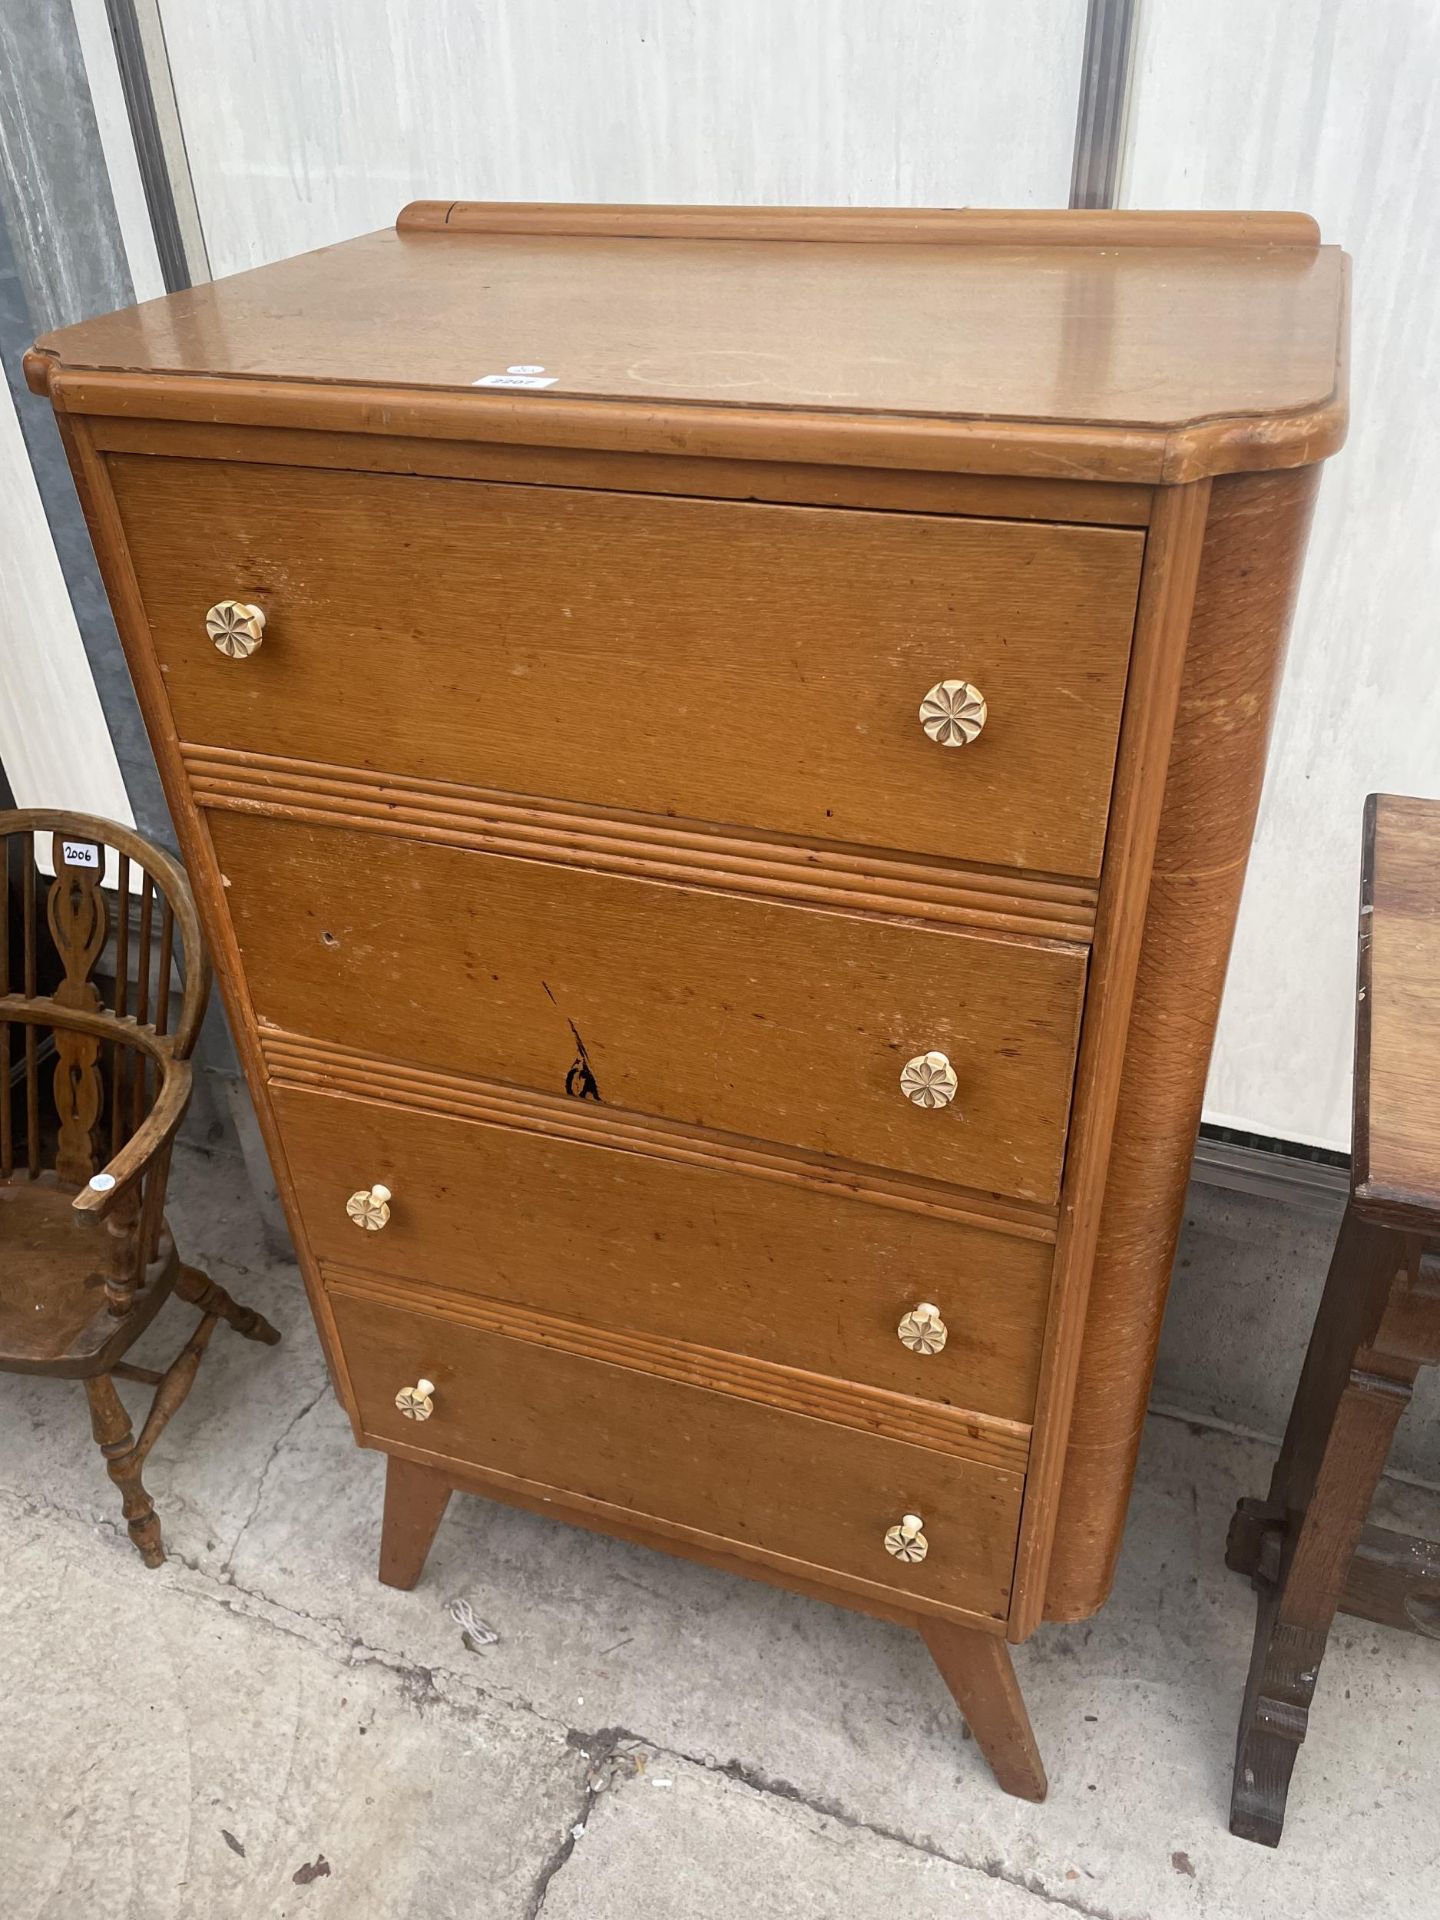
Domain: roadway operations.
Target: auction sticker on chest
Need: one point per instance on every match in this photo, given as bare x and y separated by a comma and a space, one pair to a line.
517, 376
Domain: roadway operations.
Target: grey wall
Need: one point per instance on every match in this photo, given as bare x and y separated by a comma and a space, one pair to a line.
61, 260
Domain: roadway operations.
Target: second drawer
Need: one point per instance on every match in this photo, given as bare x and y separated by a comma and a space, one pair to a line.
766, 1268
778, 1022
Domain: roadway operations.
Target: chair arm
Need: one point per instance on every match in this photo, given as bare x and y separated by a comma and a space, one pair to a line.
154, 1134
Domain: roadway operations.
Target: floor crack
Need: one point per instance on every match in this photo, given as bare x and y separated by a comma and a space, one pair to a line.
609, 1741
599, 1749
757, 1781
264, 1475
430, 1685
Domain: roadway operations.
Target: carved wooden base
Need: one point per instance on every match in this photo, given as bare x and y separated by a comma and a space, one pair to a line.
975, 1665
1394, 1578
1303, 1546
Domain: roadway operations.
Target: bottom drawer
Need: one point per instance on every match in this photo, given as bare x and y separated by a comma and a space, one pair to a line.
753, 1479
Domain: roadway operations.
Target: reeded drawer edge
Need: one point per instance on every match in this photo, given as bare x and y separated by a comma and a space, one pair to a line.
982, 1438
327, 1067
735, 859
875, 608
802, 1493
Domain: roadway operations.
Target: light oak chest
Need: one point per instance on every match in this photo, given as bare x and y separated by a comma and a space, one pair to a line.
721, 845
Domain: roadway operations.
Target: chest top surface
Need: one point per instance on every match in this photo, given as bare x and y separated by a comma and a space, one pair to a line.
1225, 330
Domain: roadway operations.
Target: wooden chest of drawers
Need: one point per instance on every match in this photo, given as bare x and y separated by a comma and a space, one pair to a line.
717, 750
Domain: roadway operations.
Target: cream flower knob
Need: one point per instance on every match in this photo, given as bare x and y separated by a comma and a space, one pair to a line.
953, 713
905, 1540
236, 627
922, 1330
416, 1402
370, 1208
929, 1080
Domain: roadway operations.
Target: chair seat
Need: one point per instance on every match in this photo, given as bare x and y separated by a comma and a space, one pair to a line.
54, 1317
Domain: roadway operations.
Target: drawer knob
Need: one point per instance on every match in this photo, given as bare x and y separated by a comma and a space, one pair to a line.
416, 1402
236, 627
929, 1080
922, 1330
953, 713
906, 1541
370, 1208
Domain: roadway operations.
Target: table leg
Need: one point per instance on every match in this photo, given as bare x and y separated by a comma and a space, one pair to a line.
1346, 1407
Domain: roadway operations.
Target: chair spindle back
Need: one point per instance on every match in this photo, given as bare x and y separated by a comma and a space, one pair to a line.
107, 991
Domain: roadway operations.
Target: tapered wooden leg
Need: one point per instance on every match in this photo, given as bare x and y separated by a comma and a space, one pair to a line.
415, 1501
978, 1671
1351, 1395
110, 1424
203, 1292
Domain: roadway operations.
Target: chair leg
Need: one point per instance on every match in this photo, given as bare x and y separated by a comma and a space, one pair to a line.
977, 1669
110, 1424
206, 1294
415, 1501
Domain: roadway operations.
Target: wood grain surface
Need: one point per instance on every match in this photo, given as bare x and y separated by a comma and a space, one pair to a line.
295, 1059
783, 483
778, 1484
692, 853
949, 226
1153, 337
1249, 573
788, 1024
982, 1681
1167, 596
960, 1431
649, 653
1396, 1165
414, 1537
1046, 451
627, 1240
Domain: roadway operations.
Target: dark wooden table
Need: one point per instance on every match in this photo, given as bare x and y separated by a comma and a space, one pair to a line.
1308, 1548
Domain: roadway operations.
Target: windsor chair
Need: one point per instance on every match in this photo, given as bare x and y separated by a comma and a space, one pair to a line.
92, 1091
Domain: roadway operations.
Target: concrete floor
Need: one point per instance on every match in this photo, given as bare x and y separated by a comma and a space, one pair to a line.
261, 1730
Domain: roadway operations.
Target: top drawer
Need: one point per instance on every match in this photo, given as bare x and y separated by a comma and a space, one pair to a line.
752, 665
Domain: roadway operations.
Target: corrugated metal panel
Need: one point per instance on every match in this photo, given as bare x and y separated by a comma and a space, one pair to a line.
308, 124
1331, 107
113, 123
53, 739
61, 259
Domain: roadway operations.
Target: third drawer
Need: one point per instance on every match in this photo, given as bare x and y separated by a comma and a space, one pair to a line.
765, 1267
